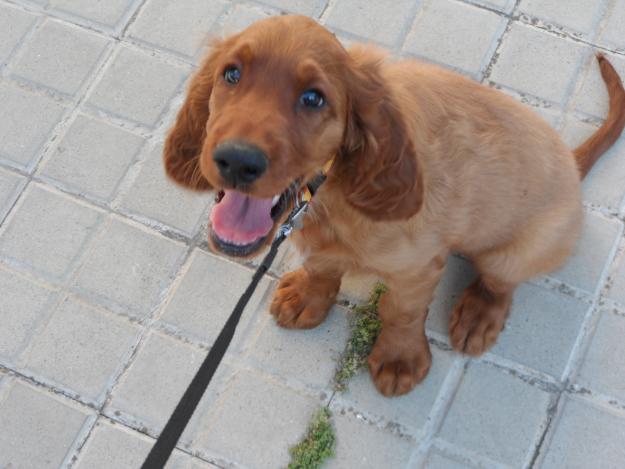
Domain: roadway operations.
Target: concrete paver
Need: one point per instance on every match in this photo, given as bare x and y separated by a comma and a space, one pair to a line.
81, 348
43, 427
59, 57
46, 230
508, 412
578, 17
153, 196
471, 35
93, 170
587, 437
108, 13
128, 268
14, 23
33, 117
128, 88
25, 305
532, 61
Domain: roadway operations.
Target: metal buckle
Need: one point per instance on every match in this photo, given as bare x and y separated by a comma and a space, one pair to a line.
296, 217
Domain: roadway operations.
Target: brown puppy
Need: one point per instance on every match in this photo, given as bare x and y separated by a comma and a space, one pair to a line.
426, 162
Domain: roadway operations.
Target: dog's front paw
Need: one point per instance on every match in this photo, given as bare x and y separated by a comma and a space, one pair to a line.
303, 302
399, 360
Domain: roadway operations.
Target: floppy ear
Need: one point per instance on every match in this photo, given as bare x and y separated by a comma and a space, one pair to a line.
377, 163
181, 154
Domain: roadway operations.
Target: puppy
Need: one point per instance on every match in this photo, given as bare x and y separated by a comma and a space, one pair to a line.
425, 162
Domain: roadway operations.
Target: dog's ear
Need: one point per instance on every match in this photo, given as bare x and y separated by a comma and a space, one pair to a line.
377, 161
181, 153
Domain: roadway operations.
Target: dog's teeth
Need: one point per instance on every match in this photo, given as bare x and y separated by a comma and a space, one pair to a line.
275, 200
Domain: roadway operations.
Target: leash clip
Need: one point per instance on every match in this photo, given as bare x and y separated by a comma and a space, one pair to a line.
296, 218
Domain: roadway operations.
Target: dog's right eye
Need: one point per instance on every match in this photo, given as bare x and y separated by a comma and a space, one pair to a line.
232, 75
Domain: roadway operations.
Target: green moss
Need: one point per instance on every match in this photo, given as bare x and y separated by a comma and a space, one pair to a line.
366, 326
317, 445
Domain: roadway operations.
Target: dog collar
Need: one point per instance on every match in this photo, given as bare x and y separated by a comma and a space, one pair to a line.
307, 192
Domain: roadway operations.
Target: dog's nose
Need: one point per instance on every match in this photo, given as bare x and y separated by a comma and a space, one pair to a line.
239, 163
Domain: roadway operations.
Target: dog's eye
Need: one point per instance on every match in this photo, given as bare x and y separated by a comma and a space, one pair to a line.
232, 75
312, 98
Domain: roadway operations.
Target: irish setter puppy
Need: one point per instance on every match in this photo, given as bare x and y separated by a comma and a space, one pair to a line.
425, 162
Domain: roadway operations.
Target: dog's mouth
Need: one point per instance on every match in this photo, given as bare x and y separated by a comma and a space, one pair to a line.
241, 224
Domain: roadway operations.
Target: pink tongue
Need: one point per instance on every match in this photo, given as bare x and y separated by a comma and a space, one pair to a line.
240, 218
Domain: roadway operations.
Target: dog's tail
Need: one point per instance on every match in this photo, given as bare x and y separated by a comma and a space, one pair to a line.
590, 151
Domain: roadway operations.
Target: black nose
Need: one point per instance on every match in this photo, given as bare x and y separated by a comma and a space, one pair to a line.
239, 163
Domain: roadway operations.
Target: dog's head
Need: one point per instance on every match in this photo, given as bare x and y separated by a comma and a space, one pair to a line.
267, 109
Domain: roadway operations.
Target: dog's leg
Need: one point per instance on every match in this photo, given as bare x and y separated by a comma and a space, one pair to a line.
479, 316
401, 355
304, 297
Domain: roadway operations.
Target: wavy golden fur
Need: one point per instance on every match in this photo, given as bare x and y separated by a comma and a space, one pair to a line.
426, 162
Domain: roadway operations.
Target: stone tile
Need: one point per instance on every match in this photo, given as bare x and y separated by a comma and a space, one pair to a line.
112, 445
108, 13
47, 230
411, 410
592, 97
207, 294
81, 348
311, 8
604, 186
587, 437
180, 460
500, 5
459, 274
541, 330
10, 185
162, 370
496, 415
90, 168
32, 118
24, 306
580, 17
308, 356
266, 418
137, 86
470, 34
129, 268
538, 63
439, 461
42, 428
177, 26
612, 31
378, 21
617, 290
602, 371
583, 270
156, 197
239, 17
360, 444
59, 57
14, 24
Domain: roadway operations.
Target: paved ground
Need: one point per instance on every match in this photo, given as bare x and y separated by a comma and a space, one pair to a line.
110, 298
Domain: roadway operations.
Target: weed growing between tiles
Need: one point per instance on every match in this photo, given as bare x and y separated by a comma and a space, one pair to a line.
320, 440
318, 444
366, 326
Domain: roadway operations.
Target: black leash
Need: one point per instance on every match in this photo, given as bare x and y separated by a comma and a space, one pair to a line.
166, 442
